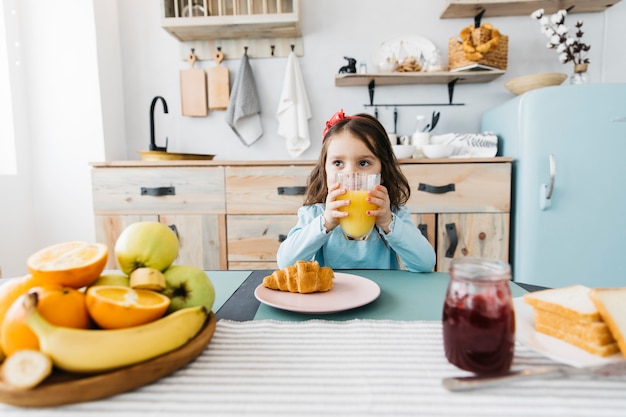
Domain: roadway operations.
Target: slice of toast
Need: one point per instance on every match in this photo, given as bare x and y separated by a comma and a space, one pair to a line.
595, 332
611, 303
593, 348
571, 302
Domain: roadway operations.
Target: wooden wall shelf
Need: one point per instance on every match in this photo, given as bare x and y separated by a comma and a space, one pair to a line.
468, 9
241, 22
401, 78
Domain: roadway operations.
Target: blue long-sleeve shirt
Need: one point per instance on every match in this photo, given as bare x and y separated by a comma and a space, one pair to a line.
308, 240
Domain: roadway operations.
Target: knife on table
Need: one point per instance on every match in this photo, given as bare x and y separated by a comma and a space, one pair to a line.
464, 383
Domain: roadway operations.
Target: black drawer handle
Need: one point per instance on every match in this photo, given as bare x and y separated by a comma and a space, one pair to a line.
281, 238
424, 229
435, 189
454, 240
175, 230
158, 191
291, 190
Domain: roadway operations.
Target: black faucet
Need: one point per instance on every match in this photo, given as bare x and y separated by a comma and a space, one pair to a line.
153, 146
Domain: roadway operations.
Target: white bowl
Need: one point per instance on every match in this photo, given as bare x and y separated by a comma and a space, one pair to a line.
403, 151
437, 151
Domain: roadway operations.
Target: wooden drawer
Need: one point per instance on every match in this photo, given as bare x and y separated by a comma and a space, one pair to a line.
256, 238
484, 235
162, 190
459, 188
265, 190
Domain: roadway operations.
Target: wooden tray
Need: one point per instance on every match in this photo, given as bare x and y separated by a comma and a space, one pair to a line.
172, 156
68, 388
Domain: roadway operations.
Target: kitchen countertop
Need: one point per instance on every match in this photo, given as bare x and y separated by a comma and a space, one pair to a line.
214, 162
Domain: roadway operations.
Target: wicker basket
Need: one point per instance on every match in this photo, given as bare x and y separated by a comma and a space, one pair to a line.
497, 58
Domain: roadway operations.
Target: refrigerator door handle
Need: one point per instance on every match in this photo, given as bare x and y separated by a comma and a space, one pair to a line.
545, 191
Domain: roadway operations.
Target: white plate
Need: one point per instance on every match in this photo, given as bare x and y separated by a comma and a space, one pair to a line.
549, 346
349, 291
397, 49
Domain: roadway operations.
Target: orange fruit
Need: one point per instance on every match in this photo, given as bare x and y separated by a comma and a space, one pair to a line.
61, 306
11, 289
117, 307
71, 264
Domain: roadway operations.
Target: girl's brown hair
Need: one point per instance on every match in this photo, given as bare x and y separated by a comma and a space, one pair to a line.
368, 130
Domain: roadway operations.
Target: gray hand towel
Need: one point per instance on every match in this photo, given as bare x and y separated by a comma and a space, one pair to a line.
243, 114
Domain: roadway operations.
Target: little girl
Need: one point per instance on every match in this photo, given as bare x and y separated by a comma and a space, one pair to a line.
357, 144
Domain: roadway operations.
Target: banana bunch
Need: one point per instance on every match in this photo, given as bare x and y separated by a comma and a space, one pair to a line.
91, 351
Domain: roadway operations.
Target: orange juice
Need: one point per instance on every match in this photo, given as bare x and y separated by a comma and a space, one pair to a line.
358, 223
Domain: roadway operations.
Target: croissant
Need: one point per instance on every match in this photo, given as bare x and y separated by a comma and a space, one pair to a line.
303, 277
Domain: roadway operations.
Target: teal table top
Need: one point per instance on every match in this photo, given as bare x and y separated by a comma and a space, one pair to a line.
404, 296
225, 283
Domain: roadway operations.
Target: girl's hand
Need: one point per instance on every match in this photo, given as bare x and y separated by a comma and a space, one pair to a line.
332, 213
379, 196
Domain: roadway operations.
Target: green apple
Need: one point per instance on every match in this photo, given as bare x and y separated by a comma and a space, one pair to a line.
120, 280
146, 244
188, 286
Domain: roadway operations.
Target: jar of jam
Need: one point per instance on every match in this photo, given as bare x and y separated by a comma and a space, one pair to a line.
478, 316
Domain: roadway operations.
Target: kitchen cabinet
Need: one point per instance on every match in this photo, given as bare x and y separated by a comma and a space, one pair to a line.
231, 19
234, 214
469, 9
261, 207
461, 206
188, 199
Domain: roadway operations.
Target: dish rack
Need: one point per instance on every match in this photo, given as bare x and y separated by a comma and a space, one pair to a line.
267, 27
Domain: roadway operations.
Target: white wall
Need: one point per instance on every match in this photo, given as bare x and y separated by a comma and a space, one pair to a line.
90, 69
59, 129
332, 29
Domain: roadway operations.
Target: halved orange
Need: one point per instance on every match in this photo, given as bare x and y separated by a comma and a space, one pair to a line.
117, 307
71, 264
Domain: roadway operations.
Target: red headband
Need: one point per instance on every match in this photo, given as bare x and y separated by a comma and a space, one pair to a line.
337, 117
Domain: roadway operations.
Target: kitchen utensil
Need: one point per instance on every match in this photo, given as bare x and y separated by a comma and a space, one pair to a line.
395, 120
67, 388
434, 120
219, 84
193, 89
610, 370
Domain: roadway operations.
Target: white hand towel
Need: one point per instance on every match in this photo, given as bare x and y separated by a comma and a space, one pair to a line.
243, 114
294, 110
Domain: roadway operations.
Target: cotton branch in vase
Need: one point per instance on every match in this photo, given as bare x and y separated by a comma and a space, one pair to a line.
568, 48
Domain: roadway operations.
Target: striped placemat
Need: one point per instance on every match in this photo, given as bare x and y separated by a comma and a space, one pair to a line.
351, 368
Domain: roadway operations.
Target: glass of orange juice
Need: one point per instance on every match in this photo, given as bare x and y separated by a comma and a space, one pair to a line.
358, 225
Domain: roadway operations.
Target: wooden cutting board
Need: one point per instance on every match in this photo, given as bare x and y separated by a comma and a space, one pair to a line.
219, 84
193, 89
67, 388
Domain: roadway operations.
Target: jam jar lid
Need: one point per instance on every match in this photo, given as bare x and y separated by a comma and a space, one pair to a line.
480, 269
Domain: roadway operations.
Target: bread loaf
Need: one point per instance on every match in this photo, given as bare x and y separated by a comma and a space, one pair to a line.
611, 303
303, 277
569, 314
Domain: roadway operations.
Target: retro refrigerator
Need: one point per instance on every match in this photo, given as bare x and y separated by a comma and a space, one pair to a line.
568, 212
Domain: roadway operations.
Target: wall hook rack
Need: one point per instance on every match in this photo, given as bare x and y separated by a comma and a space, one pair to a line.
257, 48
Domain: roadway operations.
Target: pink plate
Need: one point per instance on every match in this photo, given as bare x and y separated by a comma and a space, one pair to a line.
349, 291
